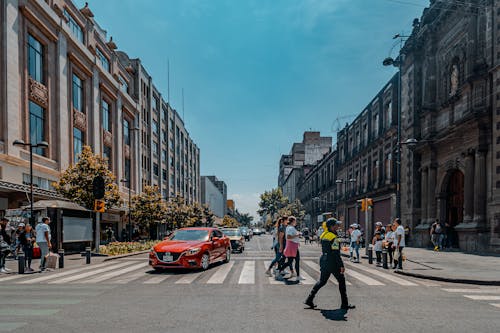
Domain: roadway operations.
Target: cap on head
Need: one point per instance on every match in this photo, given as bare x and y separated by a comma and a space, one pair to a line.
331, 222
21, 225
378, 224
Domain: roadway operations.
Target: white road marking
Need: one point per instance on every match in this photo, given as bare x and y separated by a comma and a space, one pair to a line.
49, 276
316, 268
221, 273
247, 275
472, 291
128, 278
272, 279
116, 273
307, 278
157, 279
92, 272
428, 283
401, 282
363, 278
495, 304
188, 278
483, 297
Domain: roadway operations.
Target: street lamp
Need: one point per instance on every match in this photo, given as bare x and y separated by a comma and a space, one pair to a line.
398, 62
345, 182
43, 145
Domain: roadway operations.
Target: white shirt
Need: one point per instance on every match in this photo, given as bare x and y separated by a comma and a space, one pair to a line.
355, 234
399, 231
320, 231
290, 230
41, 228
389, 236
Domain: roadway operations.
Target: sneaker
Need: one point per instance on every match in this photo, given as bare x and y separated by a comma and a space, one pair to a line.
7, 269
300, 278
293, 274
3, 270
348, 307
268, 273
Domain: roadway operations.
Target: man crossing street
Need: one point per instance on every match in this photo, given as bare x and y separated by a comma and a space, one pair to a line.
330, 263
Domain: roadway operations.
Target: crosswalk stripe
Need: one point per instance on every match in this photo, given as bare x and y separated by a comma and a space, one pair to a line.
247, 275
7, 327
272, 279
188, 278
128, 278
87, 274
483, 297
365, 279
495, 304
116, 273
316, 268
61, 274
472, 291
157, 279
428, 283
307, 278
221, 274
386, 276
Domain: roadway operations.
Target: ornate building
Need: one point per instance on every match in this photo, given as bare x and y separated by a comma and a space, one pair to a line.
62, 81
451, 105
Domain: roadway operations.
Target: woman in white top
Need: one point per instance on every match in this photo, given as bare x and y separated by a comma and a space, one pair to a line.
389, 242
292, 248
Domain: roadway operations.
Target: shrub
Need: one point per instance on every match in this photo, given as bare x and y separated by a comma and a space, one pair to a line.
118, 248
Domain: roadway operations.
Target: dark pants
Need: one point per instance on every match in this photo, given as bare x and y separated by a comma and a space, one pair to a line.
390, 252
379, 256
399, 261
277, 256
28, 255
2, 259
323, 279
290, 260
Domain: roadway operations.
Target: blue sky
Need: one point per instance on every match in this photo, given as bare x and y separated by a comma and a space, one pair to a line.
257, 74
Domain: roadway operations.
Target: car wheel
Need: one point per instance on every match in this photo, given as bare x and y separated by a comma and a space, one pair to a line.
228, 255
205, 261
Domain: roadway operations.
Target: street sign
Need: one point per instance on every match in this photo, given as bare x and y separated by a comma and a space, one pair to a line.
99, 206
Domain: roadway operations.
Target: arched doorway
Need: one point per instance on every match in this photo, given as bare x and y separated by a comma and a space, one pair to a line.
454, 204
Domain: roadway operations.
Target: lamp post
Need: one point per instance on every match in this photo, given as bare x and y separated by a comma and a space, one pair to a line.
398, 62
43, 145
345, 182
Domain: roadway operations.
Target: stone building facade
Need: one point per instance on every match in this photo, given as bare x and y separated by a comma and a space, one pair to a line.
451, 105
62, 81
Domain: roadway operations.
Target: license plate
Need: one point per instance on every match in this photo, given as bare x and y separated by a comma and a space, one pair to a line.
168, 258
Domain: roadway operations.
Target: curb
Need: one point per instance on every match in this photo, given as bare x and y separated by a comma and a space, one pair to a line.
451, 280
126, 255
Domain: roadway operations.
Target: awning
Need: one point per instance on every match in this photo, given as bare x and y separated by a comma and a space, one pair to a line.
26, 189
42, 204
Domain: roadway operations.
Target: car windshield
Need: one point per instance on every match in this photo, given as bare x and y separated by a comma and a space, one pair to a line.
190, 235
231, 232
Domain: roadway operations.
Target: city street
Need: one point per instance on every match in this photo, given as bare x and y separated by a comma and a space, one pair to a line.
125, 295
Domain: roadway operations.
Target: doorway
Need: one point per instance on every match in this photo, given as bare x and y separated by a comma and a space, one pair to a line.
454, 205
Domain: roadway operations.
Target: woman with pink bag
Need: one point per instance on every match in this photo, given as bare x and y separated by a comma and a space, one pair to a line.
292, 248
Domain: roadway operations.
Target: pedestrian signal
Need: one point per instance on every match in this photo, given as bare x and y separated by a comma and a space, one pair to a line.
99, 206
369, 203
98, 187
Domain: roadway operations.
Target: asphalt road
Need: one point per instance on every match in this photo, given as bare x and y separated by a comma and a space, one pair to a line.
126, 296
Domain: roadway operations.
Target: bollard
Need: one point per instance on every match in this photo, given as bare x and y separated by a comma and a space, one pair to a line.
87, 254
61, 258
384, 258
370, 254
20, 261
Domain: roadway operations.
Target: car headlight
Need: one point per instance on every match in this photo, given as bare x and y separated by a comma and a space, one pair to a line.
191, 252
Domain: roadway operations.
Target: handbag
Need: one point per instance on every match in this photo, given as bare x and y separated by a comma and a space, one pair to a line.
51, 260
291, 249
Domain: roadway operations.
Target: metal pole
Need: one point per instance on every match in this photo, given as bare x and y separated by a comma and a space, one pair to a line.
61, 258
32, 221
129, 210
97, 231
87, 255
20, 261
398, 156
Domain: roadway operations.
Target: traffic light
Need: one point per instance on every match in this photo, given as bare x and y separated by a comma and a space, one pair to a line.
369, 203
363, 205
99, 206
98, 187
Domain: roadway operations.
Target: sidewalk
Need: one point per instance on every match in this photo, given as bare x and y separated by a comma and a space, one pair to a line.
70, 261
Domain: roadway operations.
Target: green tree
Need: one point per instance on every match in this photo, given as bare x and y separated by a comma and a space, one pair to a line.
294, 208
75, 183
271, 202
178, 214
229, 222
148, 207
196, 215
208, 216
244, 219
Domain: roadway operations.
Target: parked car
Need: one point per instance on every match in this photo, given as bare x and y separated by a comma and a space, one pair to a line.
236, 238
191, 248
245, 232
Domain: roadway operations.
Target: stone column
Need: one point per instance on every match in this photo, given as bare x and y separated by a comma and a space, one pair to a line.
65, 113
424, 194
95, 134
431, 198
118, 142
469, 188
480, 187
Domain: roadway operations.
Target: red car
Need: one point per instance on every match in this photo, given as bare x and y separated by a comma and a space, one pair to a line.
191, 248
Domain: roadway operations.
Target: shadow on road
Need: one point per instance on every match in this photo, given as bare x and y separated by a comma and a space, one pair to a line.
336, 315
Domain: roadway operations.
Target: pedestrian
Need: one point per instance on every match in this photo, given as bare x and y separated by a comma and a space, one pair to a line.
436, 233
292, 248
330, 263
43, 238
5, 243
318, 235
377, 246
399, 242
389, 242
282, 244
276, 246
26, 239
355, 241
305, 233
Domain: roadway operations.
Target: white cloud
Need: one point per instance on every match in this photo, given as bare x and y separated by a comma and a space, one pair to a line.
246, 203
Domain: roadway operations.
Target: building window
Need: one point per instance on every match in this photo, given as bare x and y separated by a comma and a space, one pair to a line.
106, 153
102, 59
76, 29
155, 127
77, 92
155, 169
127, 171
388, 167
126, 132
164, 155
155, 148
388, 114
106, 116
37, 126
164, 174
77, 143
39, 182
164, 135
35, 59
123, 84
